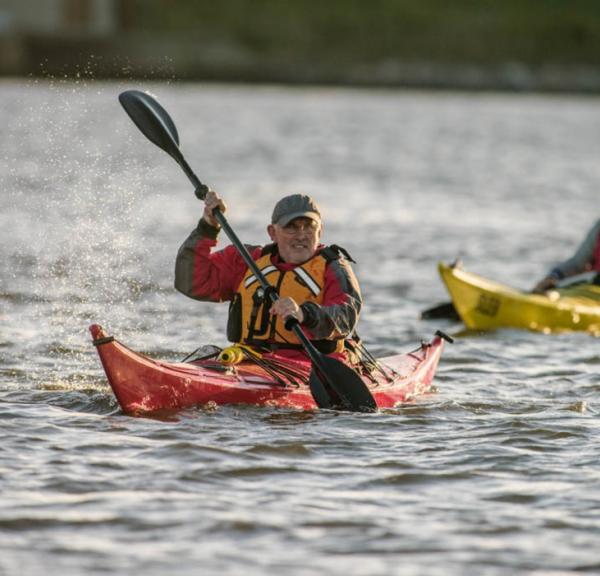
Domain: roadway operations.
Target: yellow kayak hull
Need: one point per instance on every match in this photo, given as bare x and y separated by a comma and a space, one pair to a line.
484, 304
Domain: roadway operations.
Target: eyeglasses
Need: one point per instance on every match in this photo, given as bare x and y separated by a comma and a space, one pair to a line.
296, 227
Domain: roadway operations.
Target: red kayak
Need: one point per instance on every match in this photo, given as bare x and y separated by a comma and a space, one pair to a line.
142, 384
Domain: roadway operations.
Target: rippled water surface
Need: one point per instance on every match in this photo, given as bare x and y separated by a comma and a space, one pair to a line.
496, 473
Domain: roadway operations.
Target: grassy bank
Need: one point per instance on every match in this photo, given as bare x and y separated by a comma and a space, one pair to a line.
545, 45
535, 32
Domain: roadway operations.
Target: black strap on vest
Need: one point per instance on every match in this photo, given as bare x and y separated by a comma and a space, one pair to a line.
269, 249
333, 252
262, 298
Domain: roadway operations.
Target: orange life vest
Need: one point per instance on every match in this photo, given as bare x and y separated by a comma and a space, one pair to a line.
255, 326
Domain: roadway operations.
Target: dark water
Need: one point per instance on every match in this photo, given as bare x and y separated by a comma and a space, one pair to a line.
496, 473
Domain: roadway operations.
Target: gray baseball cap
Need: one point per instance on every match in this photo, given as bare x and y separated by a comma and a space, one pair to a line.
295, 206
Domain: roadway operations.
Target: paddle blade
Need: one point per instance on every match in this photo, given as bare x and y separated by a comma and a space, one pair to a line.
152, 120
444, 310
336, 386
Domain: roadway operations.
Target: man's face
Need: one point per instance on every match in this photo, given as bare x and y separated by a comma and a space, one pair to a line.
298, 240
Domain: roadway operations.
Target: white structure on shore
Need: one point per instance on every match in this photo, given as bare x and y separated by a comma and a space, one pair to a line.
24, 20
59, 17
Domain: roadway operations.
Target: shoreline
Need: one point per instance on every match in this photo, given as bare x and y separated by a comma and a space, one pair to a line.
152, 59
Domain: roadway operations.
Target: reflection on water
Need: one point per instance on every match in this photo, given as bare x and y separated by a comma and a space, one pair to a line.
495, 473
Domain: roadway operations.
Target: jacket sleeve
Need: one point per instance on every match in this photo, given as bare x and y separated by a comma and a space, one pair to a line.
205, 275
338, 315
583, 259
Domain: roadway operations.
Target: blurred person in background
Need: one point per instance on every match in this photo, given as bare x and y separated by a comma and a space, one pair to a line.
585, 259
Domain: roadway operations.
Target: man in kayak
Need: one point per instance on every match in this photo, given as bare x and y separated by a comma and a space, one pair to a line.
315, 283
586, 259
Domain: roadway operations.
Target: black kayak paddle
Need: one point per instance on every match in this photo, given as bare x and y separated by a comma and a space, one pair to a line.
443, 310
333, 384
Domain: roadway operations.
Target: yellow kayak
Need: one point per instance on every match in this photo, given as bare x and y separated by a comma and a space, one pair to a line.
486, 305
